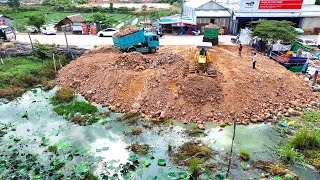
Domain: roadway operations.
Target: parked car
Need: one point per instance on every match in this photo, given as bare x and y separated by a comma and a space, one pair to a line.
308, 42
49, 30
107, 32
7, 34
32, 30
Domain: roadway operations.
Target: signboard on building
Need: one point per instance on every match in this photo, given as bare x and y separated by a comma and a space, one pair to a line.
255, 5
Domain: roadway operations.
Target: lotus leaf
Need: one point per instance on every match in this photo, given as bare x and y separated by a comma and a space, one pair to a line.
161, 162
132, 157
173, 176
70, 157
139, 172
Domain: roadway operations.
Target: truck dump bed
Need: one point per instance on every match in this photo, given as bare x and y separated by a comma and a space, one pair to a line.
129, 40
211, 33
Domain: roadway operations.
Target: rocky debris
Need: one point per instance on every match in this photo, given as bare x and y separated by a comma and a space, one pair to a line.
21, 49
138, 62
160, 86
126, 31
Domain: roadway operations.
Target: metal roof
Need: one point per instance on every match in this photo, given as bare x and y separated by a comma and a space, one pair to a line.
219, 13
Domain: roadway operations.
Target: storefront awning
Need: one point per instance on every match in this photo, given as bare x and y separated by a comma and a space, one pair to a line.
220, 13
176, 19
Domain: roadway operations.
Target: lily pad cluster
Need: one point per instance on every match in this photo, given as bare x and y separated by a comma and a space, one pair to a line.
33, 159
82, 113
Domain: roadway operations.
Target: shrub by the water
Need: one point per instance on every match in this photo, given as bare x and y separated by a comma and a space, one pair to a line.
63, 95
289, 154
306, 139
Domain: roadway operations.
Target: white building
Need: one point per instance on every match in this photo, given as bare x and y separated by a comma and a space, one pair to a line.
203, 12
236, 14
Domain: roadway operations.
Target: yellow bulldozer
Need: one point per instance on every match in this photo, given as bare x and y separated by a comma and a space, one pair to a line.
202, 63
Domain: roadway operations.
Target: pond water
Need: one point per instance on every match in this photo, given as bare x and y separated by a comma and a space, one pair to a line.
104, 146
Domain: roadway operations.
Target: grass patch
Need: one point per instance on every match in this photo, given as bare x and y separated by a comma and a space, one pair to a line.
288, 154
76, 107
194, 165
63, 95
191, 150
19, 74
312, 117
313, 157
306, 139
305, 143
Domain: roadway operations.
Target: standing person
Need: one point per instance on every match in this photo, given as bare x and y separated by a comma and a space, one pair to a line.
299, 53
254, 60
315, 76
240, 49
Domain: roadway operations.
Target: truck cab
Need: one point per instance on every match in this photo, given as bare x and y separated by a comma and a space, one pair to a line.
152, 41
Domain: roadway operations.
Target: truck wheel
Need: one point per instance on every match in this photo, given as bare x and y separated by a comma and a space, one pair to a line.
132, 49
101, 35
153, 50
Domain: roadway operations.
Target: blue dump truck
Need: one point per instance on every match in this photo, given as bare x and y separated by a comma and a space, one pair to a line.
138, 41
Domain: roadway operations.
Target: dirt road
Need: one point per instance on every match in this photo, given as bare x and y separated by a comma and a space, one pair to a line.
88, 41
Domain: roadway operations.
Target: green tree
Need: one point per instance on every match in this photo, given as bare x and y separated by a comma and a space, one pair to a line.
36, 21
83, 1
14, 4
144, 7
102, 19
317, 2
272, 29
111, 5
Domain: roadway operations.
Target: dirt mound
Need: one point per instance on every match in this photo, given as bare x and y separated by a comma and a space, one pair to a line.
126, 31
160, 85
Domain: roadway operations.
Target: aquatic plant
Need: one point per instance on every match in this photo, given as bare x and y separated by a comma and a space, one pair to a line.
134, 131
273, 168
191, 150
75, 107
195, 133
306, 139
53, 149
128, 118
244, 154
63, 95
140, 149
194, 166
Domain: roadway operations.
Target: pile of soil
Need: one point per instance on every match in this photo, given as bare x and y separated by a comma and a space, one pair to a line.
160, 85
126, 31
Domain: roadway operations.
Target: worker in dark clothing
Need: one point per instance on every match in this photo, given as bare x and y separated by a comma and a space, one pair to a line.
240, 49
203, 52
3, 35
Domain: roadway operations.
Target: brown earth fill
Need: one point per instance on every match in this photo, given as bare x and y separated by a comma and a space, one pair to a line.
160, 86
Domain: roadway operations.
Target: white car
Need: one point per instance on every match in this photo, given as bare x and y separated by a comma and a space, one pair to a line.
49, 30
107, 32
308, 42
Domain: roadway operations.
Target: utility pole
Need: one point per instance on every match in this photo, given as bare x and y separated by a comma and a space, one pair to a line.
233, 137
65, 35
30, 40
